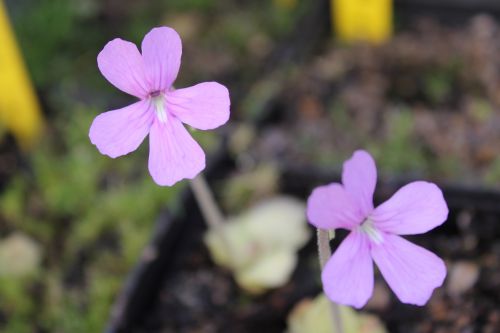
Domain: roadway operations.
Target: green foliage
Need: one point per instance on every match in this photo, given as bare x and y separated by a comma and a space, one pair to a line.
438, 82
437, 86
40, 46
77, 202
14, 301
78, 312
493, 175
399, 151
482, 111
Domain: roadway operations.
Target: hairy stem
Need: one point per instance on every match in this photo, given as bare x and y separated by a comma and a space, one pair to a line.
206, 201
210, 210
325, 252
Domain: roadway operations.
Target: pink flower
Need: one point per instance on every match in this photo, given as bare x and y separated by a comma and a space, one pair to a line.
161, 110
411, 271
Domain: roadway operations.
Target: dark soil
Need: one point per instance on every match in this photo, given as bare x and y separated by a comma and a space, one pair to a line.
11, 159
425, 103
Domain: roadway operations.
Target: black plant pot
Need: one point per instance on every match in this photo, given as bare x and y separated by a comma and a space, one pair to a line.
177, 259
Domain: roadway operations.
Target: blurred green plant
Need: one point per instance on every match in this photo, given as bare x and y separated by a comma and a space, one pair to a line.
406, 154
438, 81
43, 48
493, 175
93, 215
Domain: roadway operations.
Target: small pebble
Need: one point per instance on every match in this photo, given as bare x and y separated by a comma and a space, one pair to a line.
462, 276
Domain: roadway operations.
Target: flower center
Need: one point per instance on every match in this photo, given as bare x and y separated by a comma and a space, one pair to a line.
371, 231
158, 100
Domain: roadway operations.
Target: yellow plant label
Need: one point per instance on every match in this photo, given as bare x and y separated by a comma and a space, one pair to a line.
19, 108
362, 20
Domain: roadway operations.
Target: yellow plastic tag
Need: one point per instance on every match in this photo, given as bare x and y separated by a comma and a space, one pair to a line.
19, 108
362, 20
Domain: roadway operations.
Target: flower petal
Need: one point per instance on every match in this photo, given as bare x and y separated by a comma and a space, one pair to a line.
411, 271
121, 64
348, 275
416, 208
173, 153
203, 106
331, 207
119, 132
161, 51
359, 177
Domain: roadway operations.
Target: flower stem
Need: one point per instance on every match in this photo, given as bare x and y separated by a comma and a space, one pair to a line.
325, 252
210, 210
205, 199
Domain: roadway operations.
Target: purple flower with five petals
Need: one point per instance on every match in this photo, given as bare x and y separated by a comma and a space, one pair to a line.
411, 271
161, 110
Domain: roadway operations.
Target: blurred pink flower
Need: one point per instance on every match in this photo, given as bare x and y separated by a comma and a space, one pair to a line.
411, 271
173, 154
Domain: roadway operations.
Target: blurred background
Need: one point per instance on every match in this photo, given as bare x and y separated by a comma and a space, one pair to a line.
414, 82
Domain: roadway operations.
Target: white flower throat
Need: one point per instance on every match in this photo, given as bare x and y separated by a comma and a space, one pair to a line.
371, 231
158, 100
